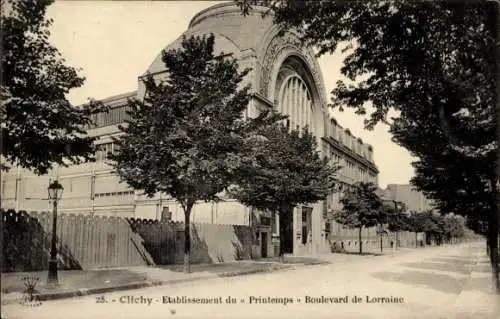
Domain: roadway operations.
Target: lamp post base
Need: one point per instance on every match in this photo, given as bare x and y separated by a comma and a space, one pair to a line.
52, 278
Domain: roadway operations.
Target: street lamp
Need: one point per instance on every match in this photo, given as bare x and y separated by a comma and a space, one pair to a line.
55, 193
381, 230
397, 207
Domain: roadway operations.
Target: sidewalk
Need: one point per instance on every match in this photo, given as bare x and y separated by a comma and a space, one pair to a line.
477, 293
81, 283
74, 283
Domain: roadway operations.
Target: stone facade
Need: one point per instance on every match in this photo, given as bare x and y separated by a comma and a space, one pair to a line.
285, 76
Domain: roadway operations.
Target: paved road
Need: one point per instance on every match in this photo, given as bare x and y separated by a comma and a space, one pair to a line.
422, 284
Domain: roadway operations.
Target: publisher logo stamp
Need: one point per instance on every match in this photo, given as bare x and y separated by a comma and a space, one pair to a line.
30, 295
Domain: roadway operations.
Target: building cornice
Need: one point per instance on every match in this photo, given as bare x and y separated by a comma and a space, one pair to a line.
348, 152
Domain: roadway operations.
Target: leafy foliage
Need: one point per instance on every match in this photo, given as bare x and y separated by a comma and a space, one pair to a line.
431, 62
416, 222
477, 223
396, 220
287, 170
34, 108
361, 207
400, 52
435, 63
186, 138
453, 226
439, 226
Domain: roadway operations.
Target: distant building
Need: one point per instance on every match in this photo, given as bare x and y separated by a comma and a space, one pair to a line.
285, 76
406, 193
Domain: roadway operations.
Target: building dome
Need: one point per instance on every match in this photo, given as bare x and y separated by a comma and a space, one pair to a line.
234, 34
253, 39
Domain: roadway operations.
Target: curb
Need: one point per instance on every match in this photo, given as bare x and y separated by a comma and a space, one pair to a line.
138, 285
93, 291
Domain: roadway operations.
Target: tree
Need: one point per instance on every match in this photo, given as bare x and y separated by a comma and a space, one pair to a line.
361, 207
188, 137
454, 227
416, 224
434, 227
436, 64
287, 170
396, 220
34, 109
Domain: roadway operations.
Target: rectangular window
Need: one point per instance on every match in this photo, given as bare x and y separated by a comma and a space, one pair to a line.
274, 225
114, 116
98, 155
304, 234
104, 150
265, 221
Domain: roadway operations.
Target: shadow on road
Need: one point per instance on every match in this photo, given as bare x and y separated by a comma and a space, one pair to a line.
470, 260
480, 284
428, 273
439, 282
458, 257
457, 267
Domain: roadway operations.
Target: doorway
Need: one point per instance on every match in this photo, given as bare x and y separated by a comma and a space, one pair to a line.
263, 245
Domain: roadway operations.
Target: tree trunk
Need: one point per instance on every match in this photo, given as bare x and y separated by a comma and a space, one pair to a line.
282, 237
381, 240
252, 230
187, 237
397, 239
488, 247
493, 240
416, 239
360, 242
283, 214
493, 226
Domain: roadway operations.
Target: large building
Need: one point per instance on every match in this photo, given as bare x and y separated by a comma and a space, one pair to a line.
407, 194
285, 76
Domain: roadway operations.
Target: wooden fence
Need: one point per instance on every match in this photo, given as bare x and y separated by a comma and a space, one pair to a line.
85, 241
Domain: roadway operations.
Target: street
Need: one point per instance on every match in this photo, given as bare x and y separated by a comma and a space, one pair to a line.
425, 283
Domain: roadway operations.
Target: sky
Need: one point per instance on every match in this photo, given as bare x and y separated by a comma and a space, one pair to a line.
113, 42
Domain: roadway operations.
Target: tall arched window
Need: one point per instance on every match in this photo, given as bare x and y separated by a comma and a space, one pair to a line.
295, 101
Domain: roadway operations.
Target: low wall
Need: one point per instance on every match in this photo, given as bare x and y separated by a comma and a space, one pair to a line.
348, 238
